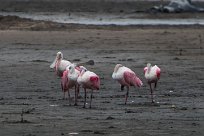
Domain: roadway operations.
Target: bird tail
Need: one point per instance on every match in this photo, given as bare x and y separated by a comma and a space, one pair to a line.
96, 82
132, 79
138, 82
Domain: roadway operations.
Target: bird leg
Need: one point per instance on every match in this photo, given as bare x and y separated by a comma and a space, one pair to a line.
155, 85
151, 92
76, 95
69, 98
63, 91
64, 95
78, 88
91, 98
84, 98
126, 96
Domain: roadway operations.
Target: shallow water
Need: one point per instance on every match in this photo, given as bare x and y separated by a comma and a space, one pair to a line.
102, 19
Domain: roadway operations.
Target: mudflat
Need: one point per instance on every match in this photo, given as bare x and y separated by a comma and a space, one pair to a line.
31, 97
31, 100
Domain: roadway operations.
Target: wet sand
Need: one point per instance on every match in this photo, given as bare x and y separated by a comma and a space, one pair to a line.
28, 86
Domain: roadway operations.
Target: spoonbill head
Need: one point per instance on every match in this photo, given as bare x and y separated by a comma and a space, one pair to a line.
59, 56
59, 64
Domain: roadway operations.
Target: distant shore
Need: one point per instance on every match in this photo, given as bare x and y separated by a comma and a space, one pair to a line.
106, 6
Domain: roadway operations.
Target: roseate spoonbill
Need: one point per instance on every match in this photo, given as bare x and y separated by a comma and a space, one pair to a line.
152, 75
59, 64
69, 80
126, 77
88, 80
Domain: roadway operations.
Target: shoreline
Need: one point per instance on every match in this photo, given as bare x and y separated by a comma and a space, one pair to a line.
17, 23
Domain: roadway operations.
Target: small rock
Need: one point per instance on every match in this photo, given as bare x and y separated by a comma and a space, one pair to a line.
111, 127
173, 106
90, 62
184, 108
98, 132
109, 118
176, 58
129, 111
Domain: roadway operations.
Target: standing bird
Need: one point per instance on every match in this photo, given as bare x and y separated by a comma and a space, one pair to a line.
69, 80
88, 80
152, 75
59, 64
126, 77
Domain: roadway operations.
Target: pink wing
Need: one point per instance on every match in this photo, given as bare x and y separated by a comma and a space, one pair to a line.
96, 82
78, 68
158, 72
145, 69
132, 79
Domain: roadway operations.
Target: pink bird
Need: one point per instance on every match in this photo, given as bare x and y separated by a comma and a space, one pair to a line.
88, 80
152, 75
59, 64
69, 80
126, 77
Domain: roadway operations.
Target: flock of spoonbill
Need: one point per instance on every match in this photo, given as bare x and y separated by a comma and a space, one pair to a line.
75, 76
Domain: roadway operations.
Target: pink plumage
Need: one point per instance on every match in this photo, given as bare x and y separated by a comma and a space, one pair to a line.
59, 64
95, 82
158, 73
69, 80
126, 77
64, 81
152, 75
131, 79
88, 80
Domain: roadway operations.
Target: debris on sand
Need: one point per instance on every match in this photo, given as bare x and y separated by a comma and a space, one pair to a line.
177, 6
99, 132
176, 58
109, 118
129, 111
16, 122
184, 108
73, 133
90, 62
54, 105
173, 106
87, 131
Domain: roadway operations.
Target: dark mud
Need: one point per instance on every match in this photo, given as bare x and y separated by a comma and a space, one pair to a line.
31, 101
